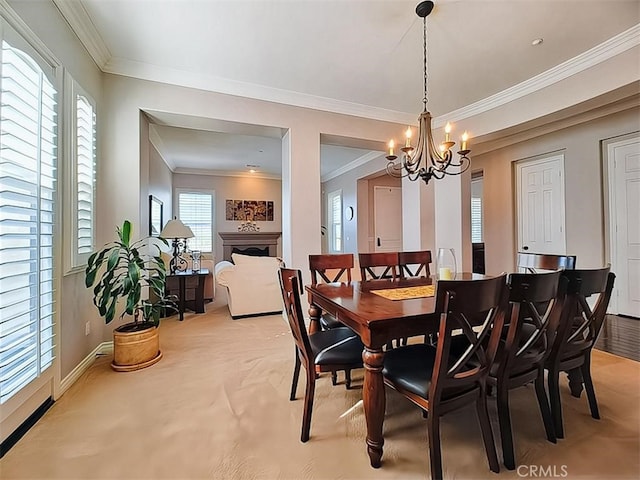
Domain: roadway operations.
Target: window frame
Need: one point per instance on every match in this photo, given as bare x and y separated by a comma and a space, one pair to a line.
331, 223
198, 191
46, 381
73, 260
477, 178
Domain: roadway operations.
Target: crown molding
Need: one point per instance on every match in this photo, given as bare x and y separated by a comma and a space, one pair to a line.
549, 124
622, 42
155, 73
226, 173
366, 158
81, 23
78, 19
598, 54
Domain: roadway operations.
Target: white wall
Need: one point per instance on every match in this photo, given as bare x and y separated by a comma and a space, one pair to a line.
161, 183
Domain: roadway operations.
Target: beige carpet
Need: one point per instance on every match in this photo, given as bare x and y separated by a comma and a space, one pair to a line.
217, 407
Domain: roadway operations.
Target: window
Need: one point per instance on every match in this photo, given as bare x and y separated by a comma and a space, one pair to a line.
28, 136
80, 229
195, 209
334, 214
476, 208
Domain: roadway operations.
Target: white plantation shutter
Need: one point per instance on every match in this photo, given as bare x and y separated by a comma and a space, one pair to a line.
196, 211
28, 156
476, 209
85, 177
335, 221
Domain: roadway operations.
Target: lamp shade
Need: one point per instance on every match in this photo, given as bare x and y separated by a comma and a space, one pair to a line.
176, 229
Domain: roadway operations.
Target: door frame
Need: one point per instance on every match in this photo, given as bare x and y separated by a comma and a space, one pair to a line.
609, 198
519, 164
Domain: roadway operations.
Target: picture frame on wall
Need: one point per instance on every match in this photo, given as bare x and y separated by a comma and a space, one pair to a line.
155, 216
249, 210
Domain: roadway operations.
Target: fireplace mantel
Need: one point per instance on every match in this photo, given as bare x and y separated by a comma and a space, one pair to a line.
244, 240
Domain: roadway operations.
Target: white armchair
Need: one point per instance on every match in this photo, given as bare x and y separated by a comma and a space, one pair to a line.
252, 285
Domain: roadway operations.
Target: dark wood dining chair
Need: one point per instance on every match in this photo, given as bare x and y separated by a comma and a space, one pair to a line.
534, 262
330, 268
535, 306
414, 264
388, 261
323, 351
439, 382
577, 334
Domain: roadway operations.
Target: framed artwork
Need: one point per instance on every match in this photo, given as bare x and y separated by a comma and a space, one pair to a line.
155, 216
249, 210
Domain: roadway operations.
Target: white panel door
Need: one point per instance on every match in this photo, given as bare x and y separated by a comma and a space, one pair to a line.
626, 232
387, 204
540, 198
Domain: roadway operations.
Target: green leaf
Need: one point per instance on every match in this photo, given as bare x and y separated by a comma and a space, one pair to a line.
126, 232
113, 260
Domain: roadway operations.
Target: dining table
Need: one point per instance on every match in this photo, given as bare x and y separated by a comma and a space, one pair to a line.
379, 311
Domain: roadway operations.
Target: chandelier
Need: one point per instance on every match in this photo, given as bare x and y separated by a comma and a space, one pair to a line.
425, 161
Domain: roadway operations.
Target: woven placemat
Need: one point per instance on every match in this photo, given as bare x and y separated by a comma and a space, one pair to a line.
405, 293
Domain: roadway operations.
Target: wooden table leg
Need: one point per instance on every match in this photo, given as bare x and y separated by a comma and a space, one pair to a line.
374, 400
314, 316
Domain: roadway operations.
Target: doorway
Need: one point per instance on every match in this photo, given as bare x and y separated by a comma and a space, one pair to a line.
541, 205
623, 169
387, 207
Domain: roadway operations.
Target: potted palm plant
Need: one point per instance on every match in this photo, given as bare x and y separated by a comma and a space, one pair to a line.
118, 273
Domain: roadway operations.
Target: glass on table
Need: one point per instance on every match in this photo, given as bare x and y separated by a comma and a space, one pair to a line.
446, 264
195, 257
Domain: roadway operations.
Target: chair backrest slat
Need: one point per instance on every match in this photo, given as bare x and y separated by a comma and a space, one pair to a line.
331, 267
414, 264
368, 261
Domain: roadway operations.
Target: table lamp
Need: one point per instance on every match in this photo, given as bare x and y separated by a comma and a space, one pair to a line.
177, 232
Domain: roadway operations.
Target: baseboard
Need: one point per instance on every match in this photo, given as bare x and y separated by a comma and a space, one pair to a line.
105, 348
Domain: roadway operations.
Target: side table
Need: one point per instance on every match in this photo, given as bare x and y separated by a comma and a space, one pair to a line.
189, 287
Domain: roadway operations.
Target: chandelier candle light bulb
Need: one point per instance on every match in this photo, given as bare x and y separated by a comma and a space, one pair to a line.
463, 142
408, 135
391, 145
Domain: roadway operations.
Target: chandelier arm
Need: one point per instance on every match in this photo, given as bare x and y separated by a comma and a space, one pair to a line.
438, 174
413, 158
461, 171
396, 170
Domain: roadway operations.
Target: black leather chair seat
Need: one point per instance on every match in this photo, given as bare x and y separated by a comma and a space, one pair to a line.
400, 368
336, 346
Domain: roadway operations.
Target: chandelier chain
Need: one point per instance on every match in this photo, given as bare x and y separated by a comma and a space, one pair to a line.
424, 60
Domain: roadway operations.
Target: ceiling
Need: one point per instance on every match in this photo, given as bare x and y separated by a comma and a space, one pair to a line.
347, 56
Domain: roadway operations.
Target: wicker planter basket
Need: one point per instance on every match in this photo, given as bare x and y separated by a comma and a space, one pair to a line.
135, 348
